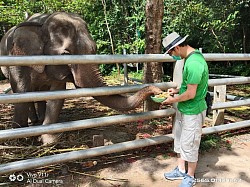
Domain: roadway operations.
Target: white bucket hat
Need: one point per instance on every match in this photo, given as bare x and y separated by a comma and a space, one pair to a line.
172, 40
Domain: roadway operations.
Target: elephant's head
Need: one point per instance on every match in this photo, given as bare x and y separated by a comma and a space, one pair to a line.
67, 34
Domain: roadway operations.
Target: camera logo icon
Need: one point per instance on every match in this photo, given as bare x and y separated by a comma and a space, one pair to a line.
13, 177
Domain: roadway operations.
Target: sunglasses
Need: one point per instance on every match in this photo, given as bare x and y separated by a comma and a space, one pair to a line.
171, 51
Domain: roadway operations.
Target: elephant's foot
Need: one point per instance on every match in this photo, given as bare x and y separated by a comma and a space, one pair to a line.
33, 121
17, 125
49, 139
32, 118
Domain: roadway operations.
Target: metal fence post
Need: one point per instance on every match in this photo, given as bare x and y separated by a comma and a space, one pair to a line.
177, 78
219, 96
125, 69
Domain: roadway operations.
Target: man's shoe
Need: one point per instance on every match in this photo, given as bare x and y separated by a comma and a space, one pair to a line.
188, 181
175, 174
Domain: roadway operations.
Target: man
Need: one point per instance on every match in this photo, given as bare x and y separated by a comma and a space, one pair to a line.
191, 108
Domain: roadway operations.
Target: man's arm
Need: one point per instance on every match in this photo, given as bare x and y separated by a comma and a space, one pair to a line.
187, 95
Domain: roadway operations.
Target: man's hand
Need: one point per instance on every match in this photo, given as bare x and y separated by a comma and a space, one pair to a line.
169, 100
173, 90
188, 94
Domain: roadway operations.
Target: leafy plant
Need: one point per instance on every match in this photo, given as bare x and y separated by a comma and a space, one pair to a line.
213, 141
209, 142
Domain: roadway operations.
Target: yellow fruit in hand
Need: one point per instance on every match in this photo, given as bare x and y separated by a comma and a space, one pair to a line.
162, 95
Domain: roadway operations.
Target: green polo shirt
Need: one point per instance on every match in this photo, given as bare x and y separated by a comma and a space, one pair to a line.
195, 71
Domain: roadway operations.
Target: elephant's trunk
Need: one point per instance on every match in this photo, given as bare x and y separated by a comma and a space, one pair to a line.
88, 76
125, 103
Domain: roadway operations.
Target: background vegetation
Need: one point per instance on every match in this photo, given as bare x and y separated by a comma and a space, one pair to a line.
215, 26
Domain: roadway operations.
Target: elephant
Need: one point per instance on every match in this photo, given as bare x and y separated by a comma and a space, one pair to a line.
59, 33
34, 116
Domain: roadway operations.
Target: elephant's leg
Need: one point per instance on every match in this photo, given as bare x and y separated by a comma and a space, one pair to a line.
32, 114
21, 111
41, 109
20, 83
53, 109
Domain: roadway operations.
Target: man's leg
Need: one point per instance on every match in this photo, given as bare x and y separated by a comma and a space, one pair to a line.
191, 168
179, 171
181, 163
190, 142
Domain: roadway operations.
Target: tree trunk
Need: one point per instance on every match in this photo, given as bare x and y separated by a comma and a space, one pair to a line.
153, 71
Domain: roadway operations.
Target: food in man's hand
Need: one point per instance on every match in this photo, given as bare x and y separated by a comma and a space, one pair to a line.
160, 97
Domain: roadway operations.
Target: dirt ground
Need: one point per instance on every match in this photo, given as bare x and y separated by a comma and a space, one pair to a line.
216, 168
226, 165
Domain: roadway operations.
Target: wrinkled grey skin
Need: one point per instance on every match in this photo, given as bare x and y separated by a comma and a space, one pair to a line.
56, 34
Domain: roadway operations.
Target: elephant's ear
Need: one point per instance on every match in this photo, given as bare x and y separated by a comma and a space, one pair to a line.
85, 43
27, 40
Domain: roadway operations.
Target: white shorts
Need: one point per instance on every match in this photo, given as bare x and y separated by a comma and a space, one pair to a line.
187, 135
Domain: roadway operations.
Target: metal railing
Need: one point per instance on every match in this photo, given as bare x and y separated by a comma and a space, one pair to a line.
108, 59
89, 123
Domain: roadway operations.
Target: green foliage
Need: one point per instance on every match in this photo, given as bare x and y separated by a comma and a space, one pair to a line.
136, 75
213, 141
215, 26
125, 19
210, 24
209, 142
108, 69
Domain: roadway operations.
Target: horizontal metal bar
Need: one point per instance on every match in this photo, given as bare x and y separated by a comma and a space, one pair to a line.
228, 81
108, 59
210, 57
76, 155
99, 91
80, 92
82, 124
224, 76
82, 59
230, 104
104, 150
226, 127
231, 97
224, 81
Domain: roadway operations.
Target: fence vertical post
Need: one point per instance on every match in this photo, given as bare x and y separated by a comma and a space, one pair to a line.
177, 74
177, 78
219, 96
98, 140
125, 70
